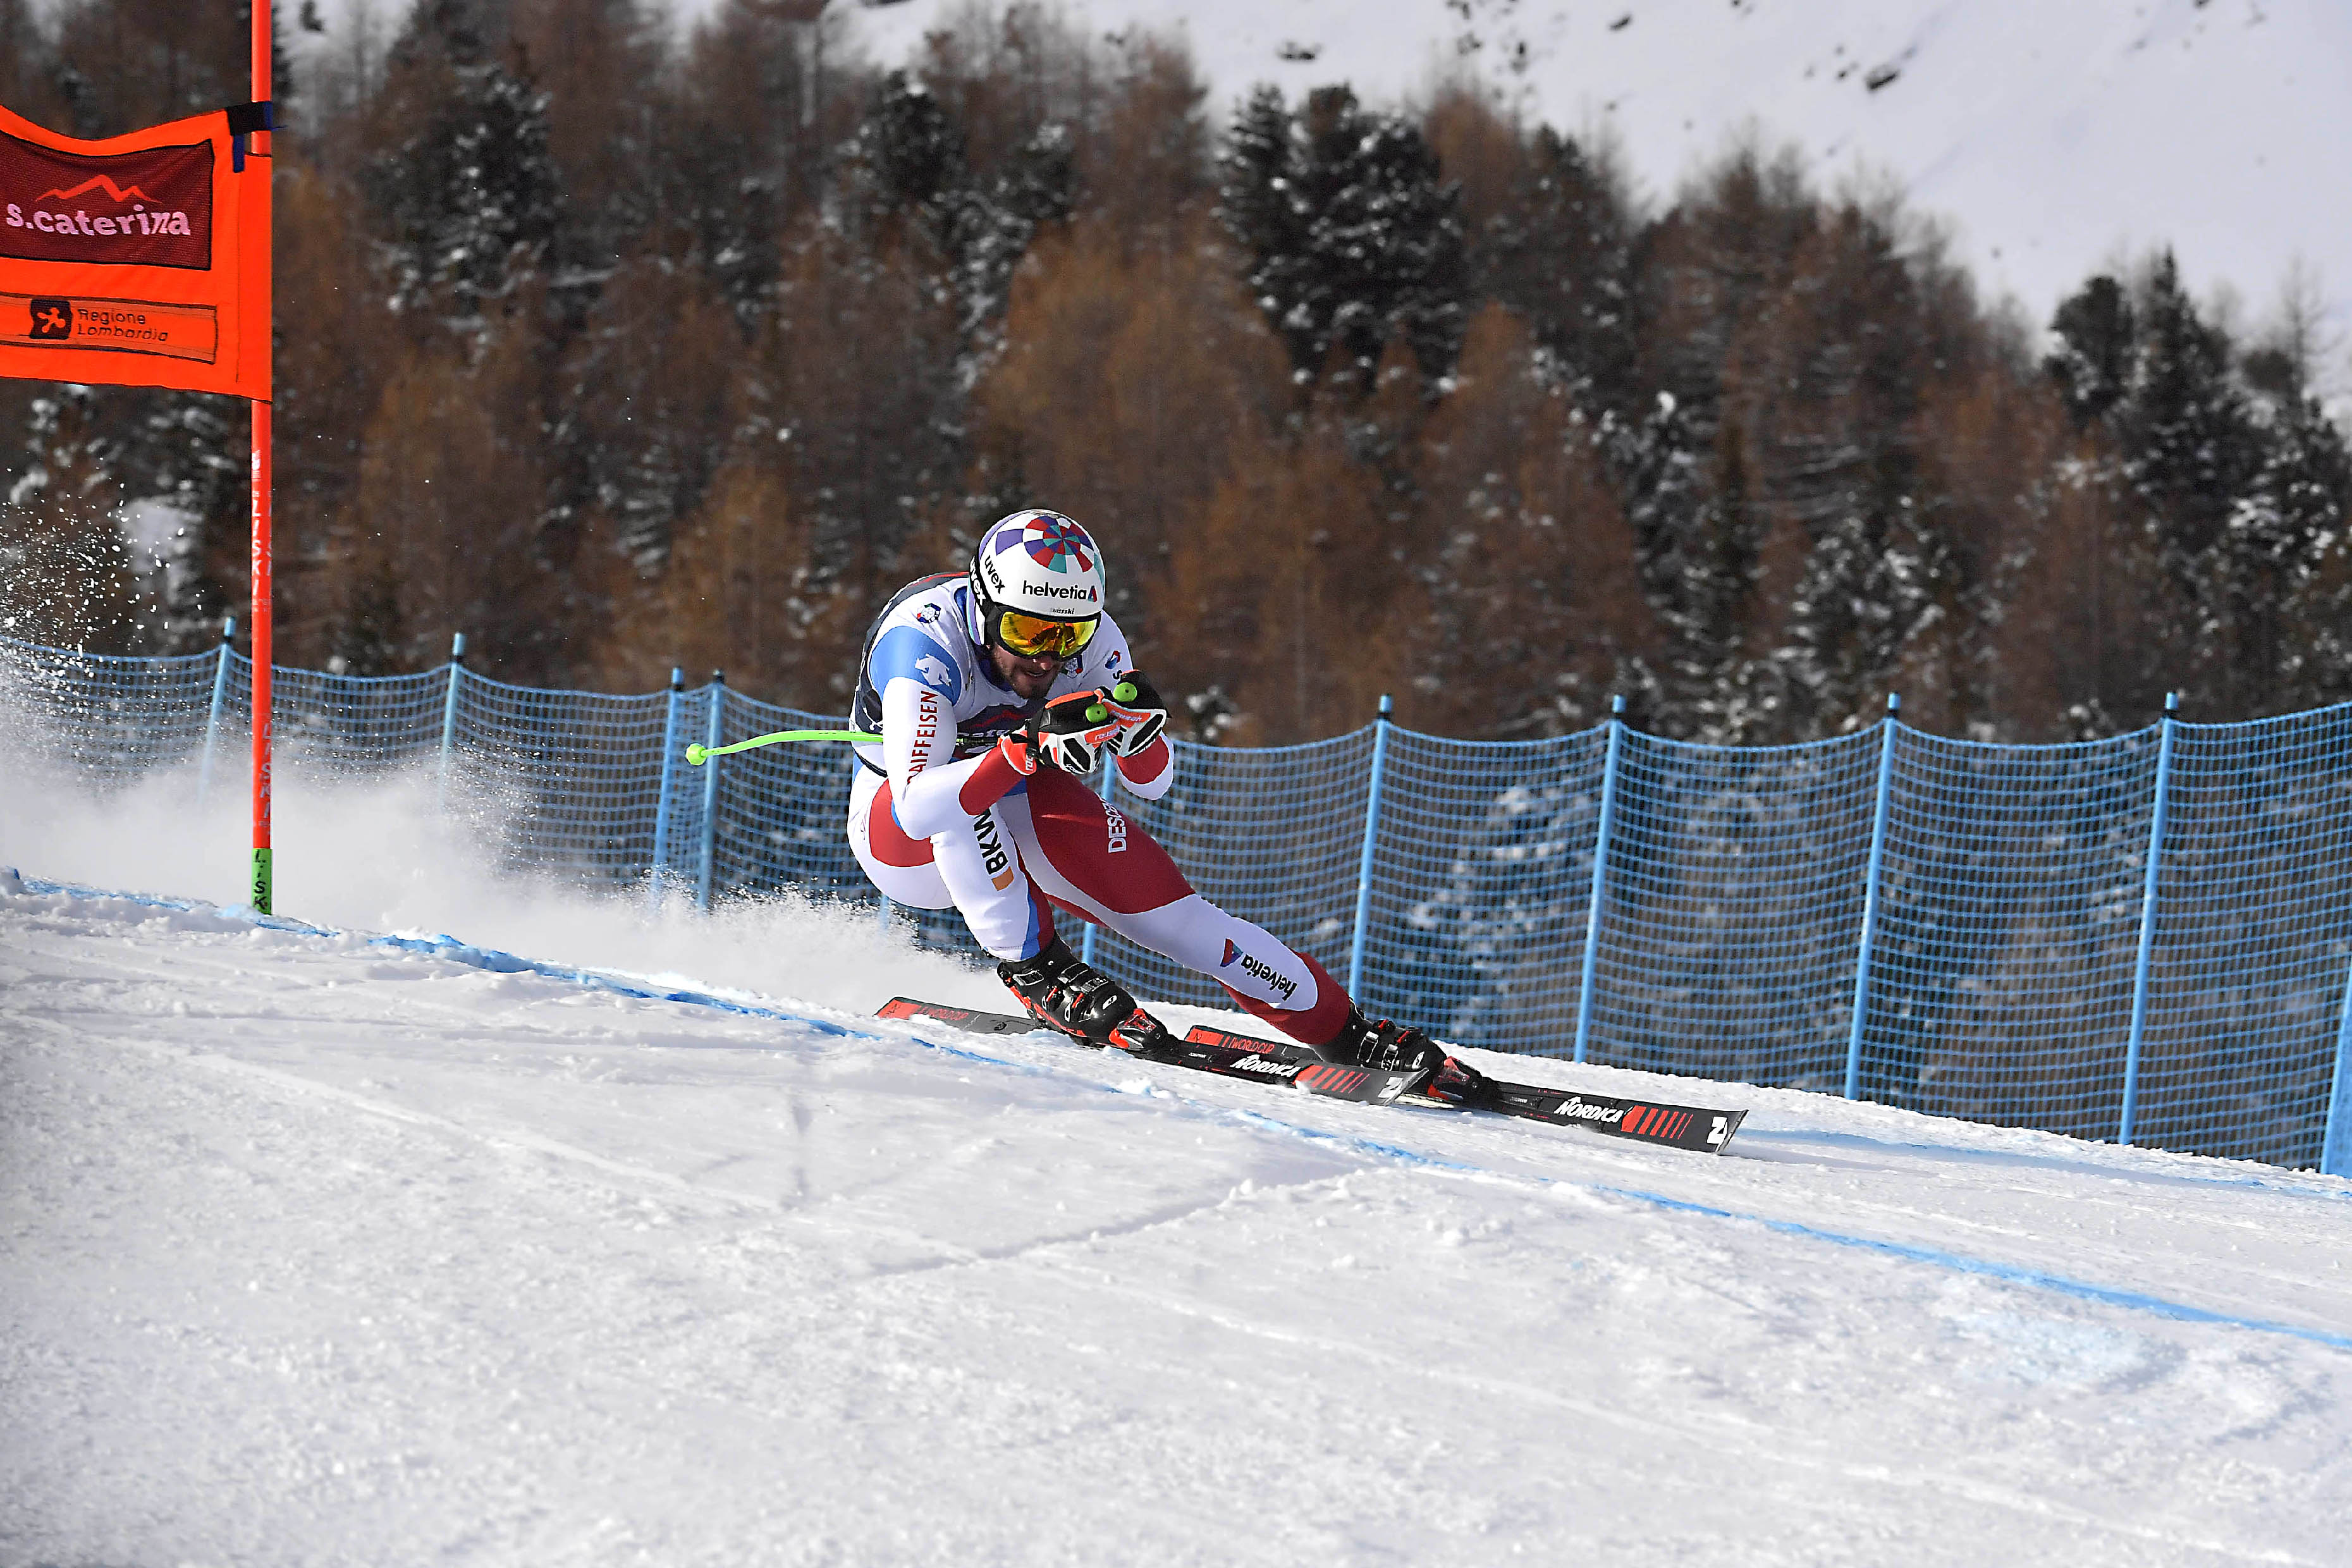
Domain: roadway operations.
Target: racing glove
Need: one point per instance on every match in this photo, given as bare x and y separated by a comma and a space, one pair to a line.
1138, 708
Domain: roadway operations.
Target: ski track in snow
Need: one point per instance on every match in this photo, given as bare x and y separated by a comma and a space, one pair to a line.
326, 1246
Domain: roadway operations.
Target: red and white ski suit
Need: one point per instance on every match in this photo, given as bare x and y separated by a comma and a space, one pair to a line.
940, 819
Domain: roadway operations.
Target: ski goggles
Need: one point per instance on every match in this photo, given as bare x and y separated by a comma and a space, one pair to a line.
1039, 637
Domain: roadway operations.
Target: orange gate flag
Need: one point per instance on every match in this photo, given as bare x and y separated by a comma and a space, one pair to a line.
138, 260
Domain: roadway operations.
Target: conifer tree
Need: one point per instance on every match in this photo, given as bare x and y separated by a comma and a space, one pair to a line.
1560, 255
2095, 328
1352, 238
2188, 443
469, 193
1529, 572
2288, 600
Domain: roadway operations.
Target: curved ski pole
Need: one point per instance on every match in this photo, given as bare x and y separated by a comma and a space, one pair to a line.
699, 753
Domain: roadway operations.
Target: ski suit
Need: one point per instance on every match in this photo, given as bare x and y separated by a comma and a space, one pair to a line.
938, 819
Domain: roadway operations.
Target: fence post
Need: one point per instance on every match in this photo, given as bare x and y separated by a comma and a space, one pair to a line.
1364, 865
449, 717
2335, 1142
1599, 875
212, 722
2148, 920
660, 867
711, 791
1870, 895
1086, 942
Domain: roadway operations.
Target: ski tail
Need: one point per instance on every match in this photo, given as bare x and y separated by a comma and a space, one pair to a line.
1261, 1061
1699, 1129
969, 1019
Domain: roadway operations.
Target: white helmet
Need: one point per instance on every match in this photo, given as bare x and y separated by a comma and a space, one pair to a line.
1037, 585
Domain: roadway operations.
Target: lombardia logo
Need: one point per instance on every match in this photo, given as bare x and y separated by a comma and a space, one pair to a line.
130, 326
151, 208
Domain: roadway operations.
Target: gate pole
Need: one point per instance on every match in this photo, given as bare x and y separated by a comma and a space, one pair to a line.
1364, 864
212, 721
711, 792
660, 865
2147, 922
1599, 874
450, 716
2336, 1143
1888, 726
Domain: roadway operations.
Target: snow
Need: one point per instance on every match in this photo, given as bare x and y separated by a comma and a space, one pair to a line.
2056, 140
329, 1238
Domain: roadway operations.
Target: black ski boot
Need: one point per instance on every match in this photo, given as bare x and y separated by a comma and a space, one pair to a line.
1067, 993
1396, 1049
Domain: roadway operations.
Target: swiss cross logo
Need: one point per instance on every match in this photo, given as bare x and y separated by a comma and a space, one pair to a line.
51, 319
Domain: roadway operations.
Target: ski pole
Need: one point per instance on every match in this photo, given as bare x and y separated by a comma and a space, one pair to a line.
699, 753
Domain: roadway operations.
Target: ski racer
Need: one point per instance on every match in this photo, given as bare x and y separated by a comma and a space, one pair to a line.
995, 690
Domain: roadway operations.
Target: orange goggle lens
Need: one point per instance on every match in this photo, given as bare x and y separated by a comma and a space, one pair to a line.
1035, 636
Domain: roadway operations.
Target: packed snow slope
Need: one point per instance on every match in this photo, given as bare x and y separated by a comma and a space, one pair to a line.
322, 1243
2053, 138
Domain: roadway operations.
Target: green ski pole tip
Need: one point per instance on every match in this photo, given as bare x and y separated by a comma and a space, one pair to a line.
698, 753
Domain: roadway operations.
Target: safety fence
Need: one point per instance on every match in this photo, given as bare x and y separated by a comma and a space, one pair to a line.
2145, 938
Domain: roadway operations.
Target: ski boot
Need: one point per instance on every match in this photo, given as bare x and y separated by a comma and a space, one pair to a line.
1066, 993
1397, 1048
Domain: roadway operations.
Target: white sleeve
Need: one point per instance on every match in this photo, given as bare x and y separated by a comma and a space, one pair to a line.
918, 733
918, 682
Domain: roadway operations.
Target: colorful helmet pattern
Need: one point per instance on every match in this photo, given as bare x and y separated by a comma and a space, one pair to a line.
1036, 564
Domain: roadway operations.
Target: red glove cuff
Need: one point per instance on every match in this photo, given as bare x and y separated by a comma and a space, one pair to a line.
1146, 764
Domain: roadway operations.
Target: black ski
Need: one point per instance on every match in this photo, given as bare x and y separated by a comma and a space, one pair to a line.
1643, 1120
1260, 1061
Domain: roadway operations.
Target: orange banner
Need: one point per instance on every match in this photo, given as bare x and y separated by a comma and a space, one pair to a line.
141, 260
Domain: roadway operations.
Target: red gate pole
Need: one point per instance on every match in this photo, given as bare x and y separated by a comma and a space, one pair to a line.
260, 621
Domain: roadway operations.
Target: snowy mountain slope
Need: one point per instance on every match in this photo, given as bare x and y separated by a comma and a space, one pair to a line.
317, 1246
2052, 137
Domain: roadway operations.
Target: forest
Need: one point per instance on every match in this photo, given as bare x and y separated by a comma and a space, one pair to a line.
618, 346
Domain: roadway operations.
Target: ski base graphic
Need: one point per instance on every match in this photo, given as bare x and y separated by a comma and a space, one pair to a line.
1689, 1127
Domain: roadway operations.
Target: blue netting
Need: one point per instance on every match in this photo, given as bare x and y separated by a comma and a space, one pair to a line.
1986, 909
1731, 909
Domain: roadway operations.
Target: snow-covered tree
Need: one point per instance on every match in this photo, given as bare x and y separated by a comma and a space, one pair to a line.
469, 197
1352, 236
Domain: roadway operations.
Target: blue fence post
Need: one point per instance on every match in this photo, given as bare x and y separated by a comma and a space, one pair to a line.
212, 722
660, 867
450, 716
711, 791
2335, 1142
1888, 726
2148, 920
1086, 942
1364, 865
1599, 875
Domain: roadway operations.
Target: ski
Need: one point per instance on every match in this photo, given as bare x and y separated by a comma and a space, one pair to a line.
1260, 1061
1689, 1127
